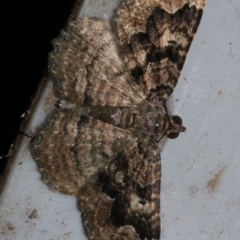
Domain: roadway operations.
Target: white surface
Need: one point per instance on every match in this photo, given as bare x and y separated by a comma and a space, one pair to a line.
208, 95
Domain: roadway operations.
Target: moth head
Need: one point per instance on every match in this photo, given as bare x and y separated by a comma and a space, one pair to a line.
175, 127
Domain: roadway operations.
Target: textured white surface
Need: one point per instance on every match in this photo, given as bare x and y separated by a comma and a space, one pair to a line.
209, 152
207, 98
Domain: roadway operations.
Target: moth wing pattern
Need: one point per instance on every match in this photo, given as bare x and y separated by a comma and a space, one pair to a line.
89, 145
70, 149
87, 68
126, 199
155, 36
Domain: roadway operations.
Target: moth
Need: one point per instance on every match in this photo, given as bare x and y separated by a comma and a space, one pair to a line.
101, 141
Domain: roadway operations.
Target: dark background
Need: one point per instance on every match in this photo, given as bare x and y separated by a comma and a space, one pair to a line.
26, 29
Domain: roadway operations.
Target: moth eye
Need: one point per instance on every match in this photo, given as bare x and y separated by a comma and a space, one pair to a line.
177, 120
173, 135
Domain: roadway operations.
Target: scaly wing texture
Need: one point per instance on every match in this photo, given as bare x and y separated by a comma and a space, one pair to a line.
125, 201
87, 68
71, 149
114, 171
155, 36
